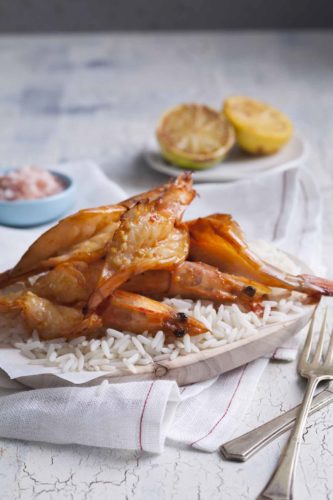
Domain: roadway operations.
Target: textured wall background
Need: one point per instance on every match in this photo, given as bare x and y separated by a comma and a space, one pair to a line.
99, 15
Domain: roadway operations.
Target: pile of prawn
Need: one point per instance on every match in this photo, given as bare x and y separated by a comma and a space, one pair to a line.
110, 267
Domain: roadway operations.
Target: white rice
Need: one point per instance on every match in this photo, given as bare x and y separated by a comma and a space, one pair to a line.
127, 351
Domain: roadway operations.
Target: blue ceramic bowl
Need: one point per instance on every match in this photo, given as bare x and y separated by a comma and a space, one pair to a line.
28, 213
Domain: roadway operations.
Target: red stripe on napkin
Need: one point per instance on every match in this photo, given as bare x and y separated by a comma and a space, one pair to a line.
142, 415
227, 409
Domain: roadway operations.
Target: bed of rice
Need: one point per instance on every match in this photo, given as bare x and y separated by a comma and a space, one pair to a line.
126, 351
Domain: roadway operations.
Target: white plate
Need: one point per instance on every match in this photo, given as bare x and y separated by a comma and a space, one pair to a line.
238, 165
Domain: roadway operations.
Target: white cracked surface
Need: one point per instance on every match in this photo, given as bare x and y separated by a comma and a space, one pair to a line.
99, 97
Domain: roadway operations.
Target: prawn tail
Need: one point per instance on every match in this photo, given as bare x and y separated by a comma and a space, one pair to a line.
318, 285
106, 287
5, 278
90, 325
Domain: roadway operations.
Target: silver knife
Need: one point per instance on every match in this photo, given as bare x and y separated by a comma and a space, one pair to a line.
244, 447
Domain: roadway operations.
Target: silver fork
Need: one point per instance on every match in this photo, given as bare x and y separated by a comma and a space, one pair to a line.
280, 486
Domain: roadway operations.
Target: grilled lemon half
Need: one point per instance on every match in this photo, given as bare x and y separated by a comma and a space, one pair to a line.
194, 136
260, 128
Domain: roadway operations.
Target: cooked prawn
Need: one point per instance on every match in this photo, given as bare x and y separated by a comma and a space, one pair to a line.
48, 319
135, 313
218, 240
72, 283
195, 280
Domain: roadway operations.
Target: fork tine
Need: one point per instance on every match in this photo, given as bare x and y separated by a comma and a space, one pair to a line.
307, 345
320, 344
329, 355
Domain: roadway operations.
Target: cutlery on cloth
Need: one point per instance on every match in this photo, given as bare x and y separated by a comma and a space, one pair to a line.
315, 369
245, 446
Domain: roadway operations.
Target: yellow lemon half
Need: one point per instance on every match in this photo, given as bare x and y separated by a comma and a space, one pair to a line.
260, 128
194, 136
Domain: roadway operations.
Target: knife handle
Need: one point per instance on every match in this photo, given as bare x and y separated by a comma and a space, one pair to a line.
244, 447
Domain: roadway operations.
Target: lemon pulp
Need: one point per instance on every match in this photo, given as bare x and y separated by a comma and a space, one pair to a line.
194, 136
260, 128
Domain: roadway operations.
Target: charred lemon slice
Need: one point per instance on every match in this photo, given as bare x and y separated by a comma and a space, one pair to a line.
260, 128
194, 136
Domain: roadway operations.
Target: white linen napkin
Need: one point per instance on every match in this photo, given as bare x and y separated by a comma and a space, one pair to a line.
284, 208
